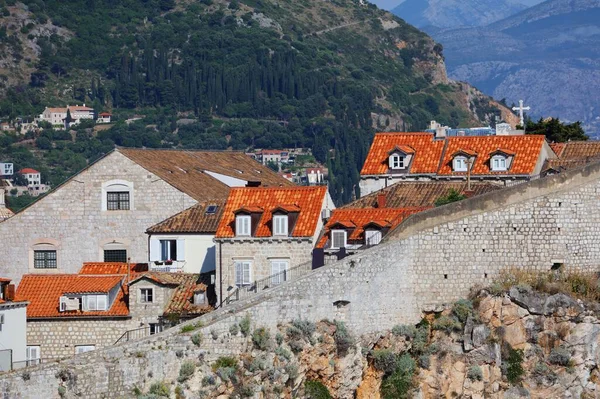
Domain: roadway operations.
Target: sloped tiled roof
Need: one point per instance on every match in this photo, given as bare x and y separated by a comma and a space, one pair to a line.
43, 291
420, 194
186, 170
5, 213
308, 199
577, 149
427, 152
527, 150
557, 148
181, 302
116, 268
28, 170
361, 217
192, 220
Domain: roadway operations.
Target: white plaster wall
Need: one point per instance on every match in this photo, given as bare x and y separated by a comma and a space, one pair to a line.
14, 331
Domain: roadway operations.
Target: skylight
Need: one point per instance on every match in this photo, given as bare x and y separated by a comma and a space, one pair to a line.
211, 209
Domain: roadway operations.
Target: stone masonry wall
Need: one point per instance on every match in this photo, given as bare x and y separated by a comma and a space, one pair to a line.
71, 218
430, 261
145, 313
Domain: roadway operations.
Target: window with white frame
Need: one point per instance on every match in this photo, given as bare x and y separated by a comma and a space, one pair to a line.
397, 161
155, 328
32, 355
460, 164
94, 302
146, 295
84, 348
372, 237
498, 163
243, 272
168, 250
280, 225
279, 269
242, 225
338, 239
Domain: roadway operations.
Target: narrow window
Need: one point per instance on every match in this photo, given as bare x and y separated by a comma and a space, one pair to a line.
155, 328
168, 250
117, 201
146, 295
84, 348
44, 259
242, 273
280, 225
278, 271
32, 355
242, 225
338, 239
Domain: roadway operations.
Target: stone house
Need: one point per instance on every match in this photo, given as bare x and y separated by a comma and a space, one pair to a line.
13, 328
184, 242
265, 232
102, 213
395, 157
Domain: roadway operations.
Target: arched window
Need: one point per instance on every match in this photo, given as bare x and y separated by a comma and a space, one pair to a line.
117, 195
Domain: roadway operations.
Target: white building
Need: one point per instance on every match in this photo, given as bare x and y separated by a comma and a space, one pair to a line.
13, 328
34, 178
104, 117
57, 116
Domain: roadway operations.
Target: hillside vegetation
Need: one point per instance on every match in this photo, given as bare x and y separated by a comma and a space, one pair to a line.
241, 74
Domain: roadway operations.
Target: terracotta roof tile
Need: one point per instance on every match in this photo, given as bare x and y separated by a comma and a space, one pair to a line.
117, 268
187, 170
420, 194
28, 170
192, 220
527, 150
557, 148
43, 291
308, 199
427, 152
361, 217
578, 149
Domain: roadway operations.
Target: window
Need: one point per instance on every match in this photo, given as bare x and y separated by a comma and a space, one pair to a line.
94, 302
168, 249
155, 328
372, 237
146, 295
32, 355
242, 273
278, 271
242, 225
199, 298
84, 348
338, 239
397, 161
460, 164
280, 225
117, 201
44, 259
498, 163
211, 210
115, 255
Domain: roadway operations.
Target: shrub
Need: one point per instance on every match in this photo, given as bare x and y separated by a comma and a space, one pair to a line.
225, 361
385, 360
475, 373
316, 390
446, 323
452, 196
291, 369
245, 325
542, 372
560, 356
214, 334
404, 330
260, 338
197, 339
234, 329
425, 361
62, 391
399, 383
226, 373
296, 346
343, 339
514, 366
294, 333
208, 380
462, 309
244, 391
186, 371
279, 338
421, 339
282, 352
188, 328
306, 327
159, 388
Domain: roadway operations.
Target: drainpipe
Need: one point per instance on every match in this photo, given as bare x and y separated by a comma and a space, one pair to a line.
220, 274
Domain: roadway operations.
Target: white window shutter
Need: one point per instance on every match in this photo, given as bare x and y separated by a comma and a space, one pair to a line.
239, 274
102, 302
247, 272
154, 250
180, 250
391, 161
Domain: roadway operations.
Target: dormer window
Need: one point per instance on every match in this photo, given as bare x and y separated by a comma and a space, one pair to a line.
459, 164
338, 239
280, 225
397, 161
498, 163
94, 302
242, 225
372, 237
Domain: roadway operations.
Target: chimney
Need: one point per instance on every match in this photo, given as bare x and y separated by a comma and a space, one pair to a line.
10, 292
381, 200
2, 199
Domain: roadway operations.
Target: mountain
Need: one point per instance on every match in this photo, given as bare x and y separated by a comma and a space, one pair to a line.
219, 74
432, 15
548, 55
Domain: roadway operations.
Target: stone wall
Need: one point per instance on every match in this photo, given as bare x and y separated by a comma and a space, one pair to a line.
71, 219
431, 260
145, 313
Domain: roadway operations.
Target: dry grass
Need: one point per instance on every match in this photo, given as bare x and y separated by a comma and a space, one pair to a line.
577, 284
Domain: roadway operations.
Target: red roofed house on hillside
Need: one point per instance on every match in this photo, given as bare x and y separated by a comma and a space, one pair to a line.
395, 157
264, 233
104, 117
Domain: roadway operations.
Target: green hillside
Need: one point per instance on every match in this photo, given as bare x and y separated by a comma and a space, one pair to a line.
243, 74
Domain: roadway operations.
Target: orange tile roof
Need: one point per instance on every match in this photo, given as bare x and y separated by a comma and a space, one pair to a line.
117, 268
527, 150
58, 110
578, 149
43, 291
308, 199
192, 220
361, 217
28, 170
557, 148
427, 152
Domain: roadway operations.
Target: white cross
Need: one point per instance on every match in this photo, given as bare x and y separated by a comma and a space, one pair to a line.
521, 108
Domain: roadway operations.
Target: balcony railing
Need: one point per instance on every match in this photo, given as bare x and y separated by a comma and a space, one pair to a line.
161, 266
